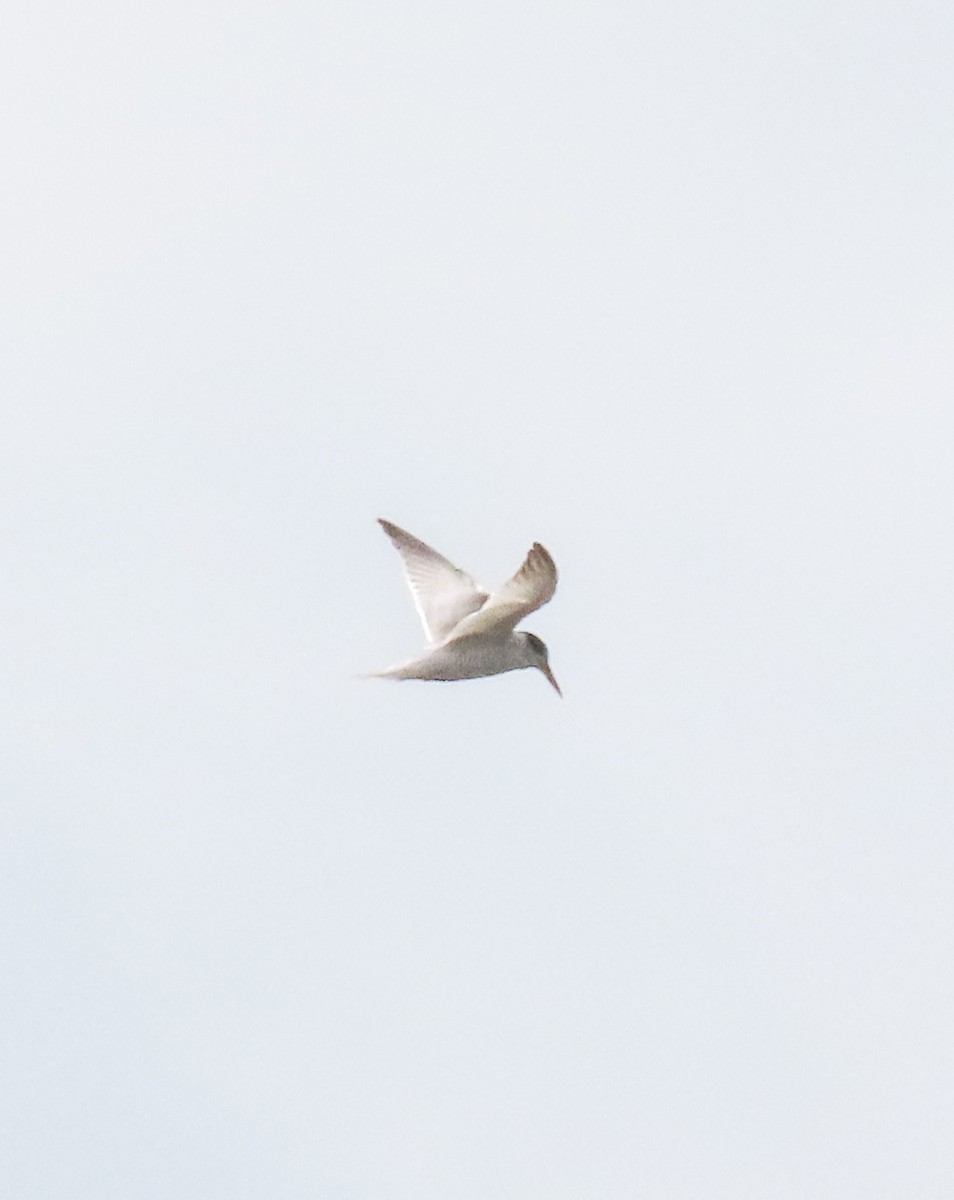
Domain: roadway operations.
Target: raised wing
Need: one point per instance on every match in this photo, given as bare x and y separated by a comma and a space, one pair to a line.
531, 587
443, 594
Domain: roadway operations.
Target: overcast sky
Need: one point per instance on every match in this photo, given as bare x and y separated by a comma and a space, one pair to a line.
667, 288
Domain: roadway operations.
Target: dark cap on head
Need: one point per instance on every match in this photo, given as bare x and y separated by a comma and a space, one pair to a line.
537, 643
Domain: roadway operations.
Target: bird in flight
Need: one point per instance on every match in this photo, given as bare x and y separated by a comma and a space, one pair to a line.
471, 632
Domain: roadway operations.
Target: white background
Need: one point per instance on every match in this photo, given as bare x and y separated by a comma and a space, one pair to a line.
668, 288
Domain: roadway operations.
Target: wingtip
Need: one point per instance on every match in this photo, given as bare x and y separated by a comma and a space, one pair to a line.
543, 554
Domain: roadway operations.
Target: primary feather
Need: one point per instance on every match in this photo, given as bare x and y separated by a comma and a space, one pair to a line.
443, 594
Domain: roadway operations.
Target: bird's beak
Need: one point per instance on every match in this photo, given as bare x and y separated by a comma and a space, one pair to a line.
549, 674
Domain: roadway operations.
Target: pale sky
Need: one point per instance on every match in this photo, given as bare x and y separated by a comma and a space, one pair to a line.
669, 289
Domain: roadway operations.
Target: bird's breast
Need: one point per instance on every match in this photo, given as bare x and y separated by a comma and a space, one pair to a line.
470, 658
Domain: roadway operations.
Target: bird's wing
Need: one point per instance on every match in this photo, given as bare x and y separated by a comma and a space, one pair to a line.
443, 594
531, 587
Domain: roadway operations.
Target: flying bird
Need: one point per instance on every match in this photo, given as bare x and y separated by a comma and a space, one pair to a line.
471, 632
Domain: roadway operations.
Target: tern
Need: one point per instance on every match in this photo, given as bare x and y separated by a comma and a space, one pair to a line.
471, 632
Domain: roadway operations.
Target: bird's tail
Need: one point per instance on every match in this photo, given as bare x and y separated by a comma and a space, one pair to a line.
387, 673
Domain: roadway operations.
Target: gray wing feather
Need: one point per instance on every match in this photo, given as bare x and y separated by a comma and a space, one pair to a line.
531, 588
443, 594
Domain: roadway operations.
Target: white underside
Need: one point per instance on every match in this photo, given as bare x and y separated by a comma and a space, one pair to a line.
461, 660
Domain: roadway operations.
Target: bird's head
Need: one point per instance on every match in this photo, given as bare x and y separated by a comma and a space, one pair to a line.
535, 655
